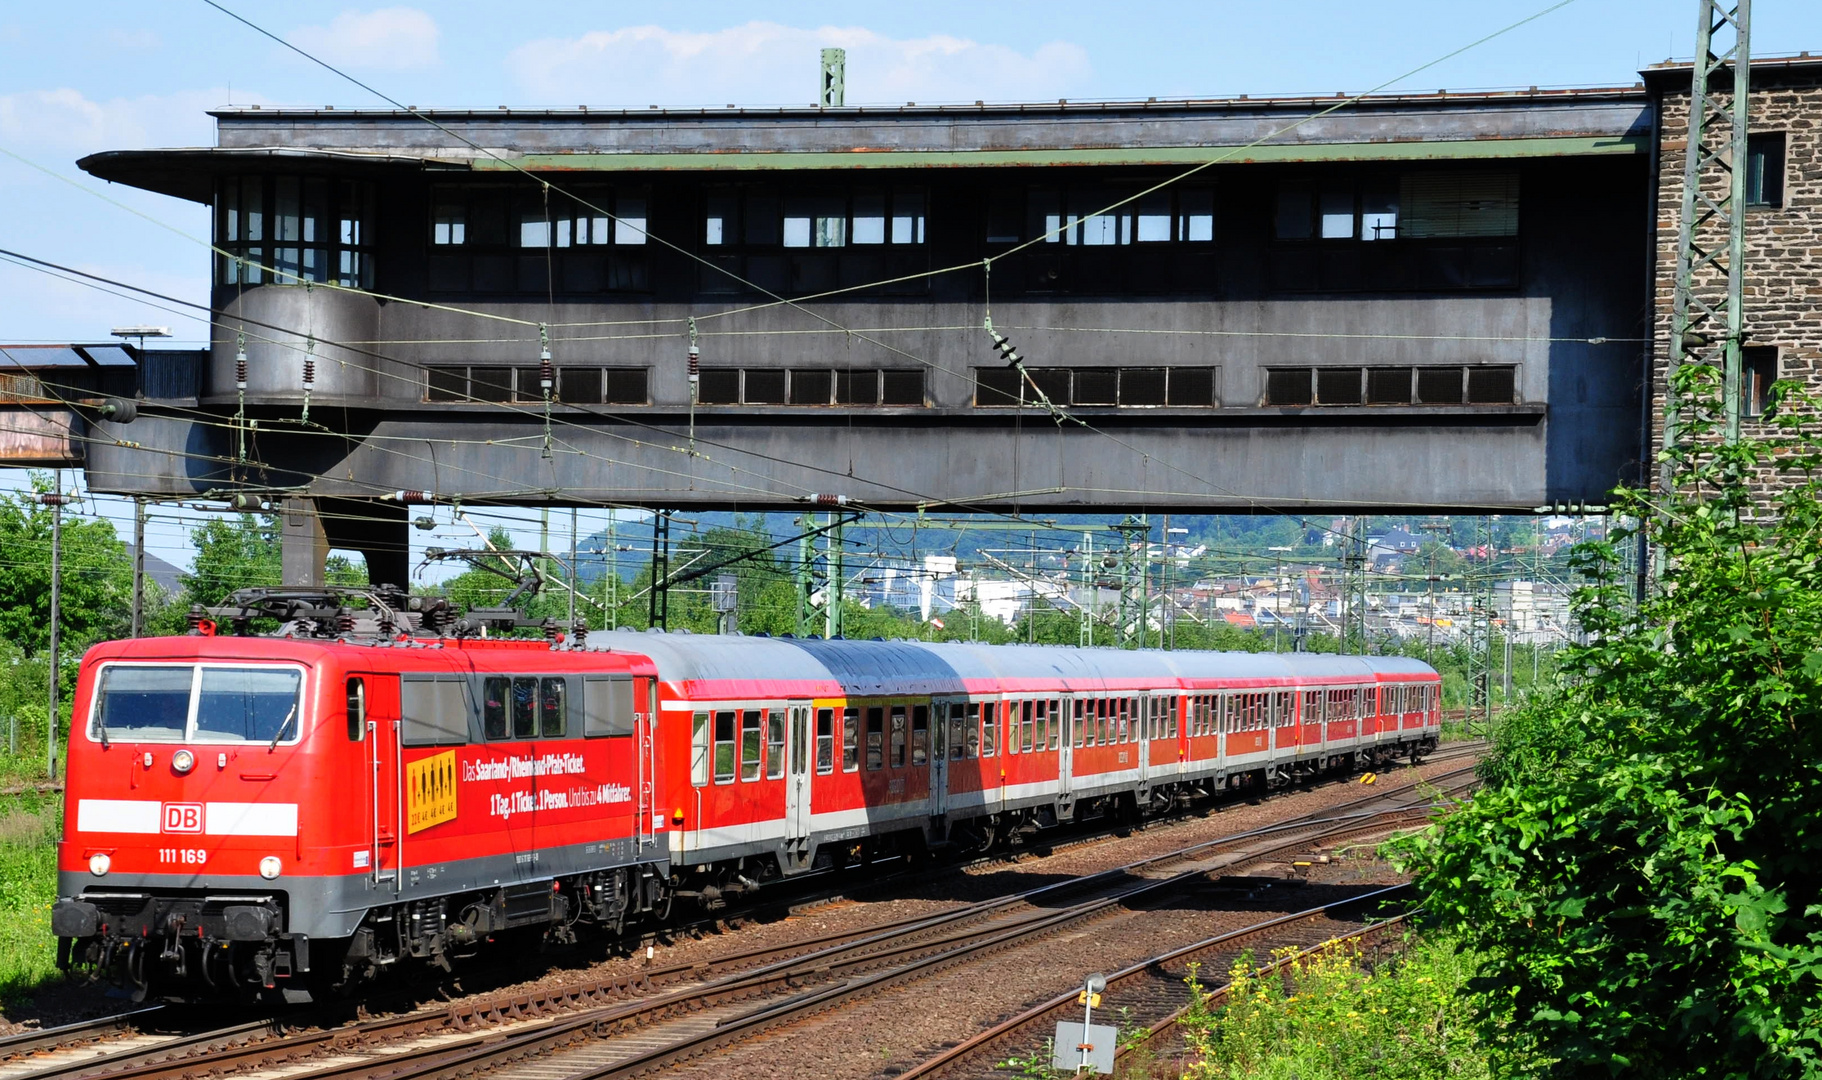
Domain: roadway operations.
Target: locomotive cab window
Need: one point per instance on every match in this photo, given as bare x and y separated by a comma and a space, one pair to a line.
202, 703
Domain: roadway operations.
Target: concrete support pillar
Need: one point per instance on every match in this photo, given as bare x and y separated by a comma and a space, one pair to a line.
378, 531
303, 545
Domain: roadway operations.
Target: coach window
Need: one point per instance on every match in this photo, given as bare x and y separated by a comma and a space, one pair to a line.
898, 736
357, 709
724, 747
774, 744
989, 740
1056, 725
749, 745
850, 740
551, 708
876, 738
973, 723
699, 749
958, 731
920, 734
825, 741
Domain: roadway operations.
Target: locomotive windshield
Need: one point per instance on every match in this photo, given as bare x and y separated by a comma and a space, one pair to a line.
196, 703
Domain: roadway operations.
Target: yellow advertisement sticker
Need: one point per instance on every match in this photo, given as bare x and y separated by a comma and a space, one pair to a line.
430, 791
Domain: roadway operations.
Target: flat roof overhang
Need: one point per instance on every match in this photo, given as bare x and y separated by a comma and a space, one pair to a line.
190, 172
1505, 125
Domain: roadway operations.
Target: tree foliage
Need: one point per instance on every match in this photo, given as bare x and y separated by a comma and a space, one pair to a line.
95, 598
1642, 873
243, 552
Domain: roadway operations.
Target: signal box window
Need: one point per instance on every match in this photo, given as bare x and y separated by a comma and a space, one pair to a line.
1765, 169
1758, 370
825, 741
850, 740
724, 747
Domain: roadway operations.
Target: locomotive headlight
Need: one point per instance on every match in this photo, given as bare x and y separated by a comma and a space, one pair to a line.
99, 863
183, 761
269, 867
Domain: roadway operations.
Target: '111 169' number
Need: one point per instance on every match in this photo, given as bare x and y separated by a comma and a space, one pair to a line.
188, 856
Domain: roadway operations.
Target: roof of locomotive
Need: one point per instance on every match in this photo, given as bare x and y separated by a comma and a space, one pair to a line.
861, 668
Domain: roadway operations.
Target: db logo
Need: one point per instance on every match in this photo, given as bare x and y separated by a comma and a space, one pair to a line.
183, 817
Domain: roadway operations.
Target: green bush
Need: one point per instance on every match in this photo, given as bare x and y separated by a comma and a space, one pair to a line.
1329, 1017
1641, 876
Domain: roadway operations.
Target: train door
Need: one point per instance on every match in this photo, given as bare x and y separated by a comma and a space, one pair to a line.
1065, 719
650, 816
379, 704
1141, 747
941, 719
797, 776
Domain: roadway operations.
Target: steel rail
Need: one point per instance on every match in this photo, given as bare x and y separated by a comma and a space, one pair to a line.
601, 999
495, 1050
996, 1040
67, 1035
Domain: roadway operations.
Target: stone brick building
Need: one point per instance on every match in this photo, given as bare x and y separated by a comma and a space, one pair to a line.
1782, 309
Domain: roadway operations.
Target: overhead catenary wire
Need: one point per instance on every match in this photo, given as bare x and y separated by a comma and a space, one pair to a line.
836, 328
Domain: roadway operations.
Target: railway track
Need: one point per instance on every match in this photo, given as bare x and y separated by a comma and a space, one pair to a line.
1155, 992
719, 992
687, 1010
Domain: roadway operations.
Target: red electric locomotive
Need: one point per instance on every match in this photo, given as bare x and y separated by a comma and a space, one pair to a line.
289, 814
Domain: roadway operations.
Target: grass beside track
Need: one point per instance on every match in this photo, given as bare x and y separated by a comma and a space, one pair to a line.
30, 822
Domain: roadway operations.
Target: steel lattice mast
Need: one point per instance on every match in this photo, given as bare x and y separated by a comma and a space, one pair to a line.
1706, 321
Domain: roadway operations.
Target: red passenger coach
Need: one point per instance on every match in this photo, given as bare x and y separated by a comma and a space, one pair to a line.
285, 815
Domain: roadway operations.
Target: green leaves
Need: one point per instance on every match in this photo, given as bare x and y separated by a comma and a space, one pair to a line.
1642, 875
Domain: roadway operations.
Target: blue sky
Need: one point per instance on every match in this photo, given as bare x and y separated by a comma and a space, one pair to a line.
115, 75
